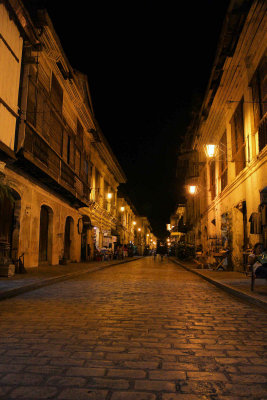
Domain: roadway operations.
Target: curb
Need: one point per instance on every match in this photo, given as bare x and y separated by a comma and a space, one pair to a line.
50, 281
226, 288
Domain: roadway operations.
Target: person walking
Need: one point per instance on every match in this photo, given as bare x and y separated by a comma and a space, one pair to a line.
162, 251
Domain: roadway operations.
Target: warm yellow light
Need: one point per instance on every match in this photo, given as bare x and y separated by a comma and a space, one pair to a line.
211, 150
139, 229
134, 222
122, 208
148, 234
192, 189
109, 195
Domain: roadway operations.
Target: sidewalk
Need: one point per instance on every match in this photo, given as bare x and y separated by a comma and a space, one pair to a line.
49, 274
235, 283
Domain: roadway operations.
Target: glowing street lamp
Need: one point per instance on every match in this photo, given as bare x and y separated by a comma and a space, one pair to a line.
134, 222
192, 189
122, 209
211, 150
109, 195
139, 229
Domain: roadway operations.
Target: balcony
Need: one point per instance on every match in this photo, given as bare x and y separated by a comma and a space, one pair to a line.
40, 160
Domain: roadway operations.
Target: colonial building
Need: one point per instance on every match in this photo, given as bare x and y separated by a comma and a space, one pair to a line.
177, 226
126, 218
143, 237
227, 189
63, 175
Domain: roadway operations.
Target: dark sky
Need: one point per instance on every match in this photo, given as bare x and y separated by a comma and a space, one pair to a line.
148, 64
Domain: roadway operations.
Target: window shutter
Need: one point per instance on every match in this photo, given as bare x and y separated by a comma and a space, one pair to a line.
56, 94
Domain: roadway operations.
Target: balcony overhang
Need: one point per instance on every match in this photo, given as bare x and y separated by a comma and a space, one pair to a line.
30, 164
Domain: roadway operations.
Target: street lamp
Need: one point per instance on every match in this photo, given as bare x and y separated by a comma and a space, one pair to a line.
109, 195
211, 150
134, 222
192, 189
122, 209
139, 229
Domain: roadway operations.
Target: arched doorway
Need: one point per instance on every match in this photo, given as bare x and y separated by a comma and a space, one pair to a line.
86, 245
45, 236
10, 206
68, 238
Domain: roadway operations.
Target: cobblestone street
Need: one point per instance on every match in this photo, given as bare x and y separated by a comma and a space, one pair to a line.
143, 330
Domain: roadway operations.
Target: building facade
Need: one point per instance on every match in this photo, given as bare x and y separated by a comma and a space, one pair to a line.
227, 189
63, 176
126, 217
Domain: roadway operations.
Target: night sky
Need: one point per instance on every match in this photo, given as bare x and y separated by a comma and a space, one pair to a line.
148, 65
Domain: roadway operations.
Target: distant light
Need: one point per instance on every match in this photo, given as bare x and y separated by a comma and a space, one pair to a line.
139, 229
134, 222
122, 208
109, 195
148, 234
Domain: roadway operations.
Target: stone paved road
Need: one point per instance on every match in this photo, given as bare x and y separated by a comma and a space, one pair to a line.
139, 331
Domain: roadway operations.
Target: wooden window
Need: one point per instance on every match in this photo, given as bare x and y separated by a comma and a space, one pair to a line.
66, 147
56, 132
259, 96
56, 94
90, 172
212, 180
31, 103
79, 136
238, 141
86, 170
97, 184
77, 162
223, 161
106, 202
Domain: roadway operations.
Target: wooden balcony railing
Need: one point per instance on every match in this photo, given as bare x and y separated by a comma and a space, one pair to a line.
38, 152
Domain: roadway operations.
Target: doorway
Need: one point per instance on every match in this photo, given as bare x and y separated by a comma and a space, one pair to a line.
68, 238
45, 236
10, 206
85, 239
